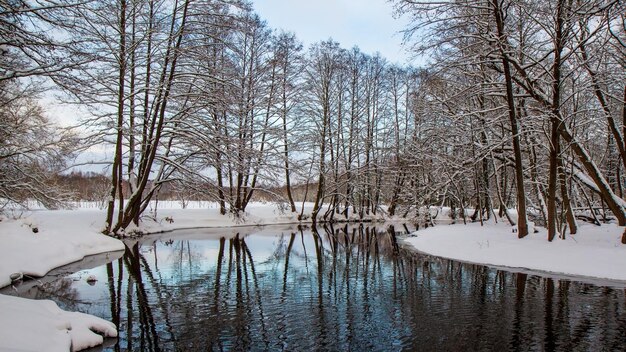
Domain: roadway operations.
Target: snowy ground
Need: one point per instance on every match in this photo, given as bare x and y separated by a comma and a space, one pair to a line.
29, 325
594, 252
61, 237
170, 216
34, 242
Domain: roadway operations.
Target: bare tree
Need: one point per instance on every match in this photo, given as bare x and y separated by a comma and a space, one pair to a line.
33, 150
320, 78
536, 56
35, 40
288, 58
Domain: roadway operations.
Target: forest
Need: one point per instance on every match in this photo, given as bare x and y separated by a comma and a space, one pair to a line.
522, 105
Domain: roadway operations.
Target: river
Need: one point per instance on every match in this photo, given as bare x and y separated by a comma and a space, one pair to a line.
341, 288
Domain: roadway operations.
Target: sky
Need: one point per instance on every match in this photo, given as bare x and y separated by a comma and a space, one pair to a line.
368, 24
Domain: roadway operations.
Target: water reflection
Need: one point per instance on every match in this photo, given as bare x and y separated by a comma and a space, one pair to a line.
334, 288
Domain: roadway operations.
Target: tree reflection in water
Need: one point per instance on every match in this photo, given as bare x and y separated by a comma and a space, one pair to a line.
341, 288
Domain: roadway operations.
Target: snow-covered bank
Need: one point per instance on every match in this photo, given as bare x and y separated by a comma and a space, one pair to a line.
171, 217
29, 325
594, 252
39, 241
32, 244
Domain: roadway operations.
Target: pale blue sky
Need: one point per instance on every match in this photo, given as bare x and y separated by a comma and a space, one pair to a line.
369, 24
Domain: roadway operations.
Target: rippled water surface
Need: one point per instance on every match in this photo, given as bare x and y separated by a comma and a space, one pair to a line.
337, 289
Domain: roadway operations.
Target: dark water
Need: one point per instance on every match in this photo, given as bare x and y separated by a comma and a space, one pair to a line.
335, 289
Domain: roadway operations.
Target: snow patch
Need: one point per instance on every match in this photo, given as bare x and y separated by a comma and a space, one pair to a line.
64, 236
594, 252
29, 325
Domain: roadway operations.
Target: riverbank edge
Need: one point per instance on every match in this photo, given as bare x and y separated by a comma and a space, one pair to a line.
597, 251
597, 281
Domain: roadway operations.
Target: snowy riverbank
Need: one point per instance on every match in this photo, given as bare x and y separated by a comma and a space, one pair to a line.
594, 252
206, 215
40, 325
32, 244
35, 242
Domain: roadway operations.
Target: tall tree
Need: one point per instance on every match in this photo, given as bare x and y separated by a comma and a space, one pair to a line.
288, 57
320, 77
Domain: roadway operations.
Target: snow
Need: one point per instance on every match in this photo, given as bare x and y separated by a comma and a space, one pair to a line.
29, 325
594, 252
62, 237
170, 216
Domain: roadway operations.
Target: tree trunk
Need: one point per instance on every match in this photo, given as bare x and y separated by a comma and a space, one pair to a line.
522, 224
117, 161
